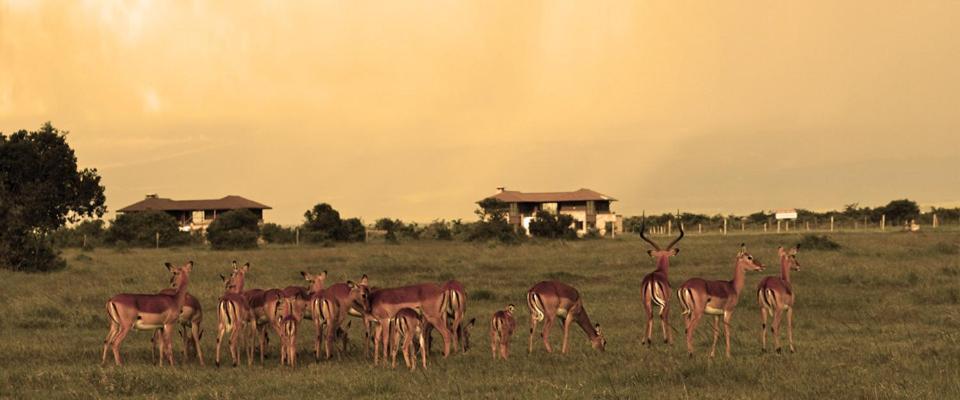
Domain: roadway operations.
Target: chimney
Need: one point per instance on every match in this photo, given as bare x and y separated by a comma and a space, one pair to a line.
152, 196
500, 189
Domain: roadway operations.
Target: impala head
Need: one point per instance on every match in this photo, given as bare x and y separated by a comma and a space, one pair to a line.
360, 293
657, 252
316, 281
598, 342
790, 257
747, 261
510, 308
179, 273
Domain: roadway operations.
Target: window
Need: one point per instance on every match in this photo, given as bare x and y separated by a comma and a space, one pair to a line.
578, 225
208, 214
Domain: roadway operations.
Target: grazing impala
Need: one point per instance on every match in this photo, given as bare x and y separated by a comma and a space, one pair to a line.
146, 312
288, 318
235, 317
501, 329
332, 306
428, 298
775, 295
655, 288
548, 300
717, 298
191, 315
408, 326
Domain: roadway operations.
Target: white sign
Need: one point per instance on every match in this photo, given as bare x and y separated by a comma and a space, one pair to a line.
786, 215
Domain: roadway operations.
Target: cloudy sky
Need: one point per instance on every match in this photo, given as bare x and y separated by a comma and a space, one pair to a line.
415, 110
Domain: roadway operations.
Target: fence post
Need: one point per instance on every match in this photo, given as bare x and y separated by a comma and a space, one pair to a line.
742, 223
158, 240
883, 222
297, 240
764, 226
934, 221
724, 226
808, 226
669, 227
778, 226
700, 228
831, 223
84, 245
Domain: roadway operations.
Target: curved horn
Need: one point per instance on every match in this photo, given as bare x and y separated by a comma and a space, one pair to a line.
679, 224
643, 228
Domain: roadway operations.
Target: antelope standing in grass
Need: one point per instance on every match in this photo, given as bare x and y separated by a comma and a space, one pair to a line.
407, 325
655, 288
289, 316
263, 304
428, 298
146, 312
235, 317
775, 295
548, 300
501, 329
191, 315
331, 307
456, 308
717, 298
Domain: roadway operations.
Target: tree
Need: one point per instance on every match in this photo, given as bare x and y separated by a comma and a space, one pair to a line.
322, 223
236, 229
273, 233
547, 225
900, 211
141, 229
352, 230
41, 188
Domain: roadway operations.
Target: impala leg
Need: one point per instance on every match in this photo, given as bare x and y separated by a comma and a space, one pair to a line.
168, 338
547, 324
111, 335
648, 310
566, 332
716, 335
533, 328
319, 337
727, 317
329, 336
377, 338
195, 333
790, 329
184, 339
494, 343
692, 322
154, 345
664, 323
440, 325
423, 352
251, 332
775, 327
118, 340
395, 347
220, 331
234, 350
763, 328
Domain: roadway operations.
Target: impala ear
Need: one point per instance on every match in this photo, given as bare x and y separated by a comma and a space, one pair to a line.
323, 275
235, 265
305, 276
347, 326
223, 278
597, 328
169, 266
472, 321
246, 267
650, 253
795, 249
364, 280
676, 250
351, 285
189, 266
780, 251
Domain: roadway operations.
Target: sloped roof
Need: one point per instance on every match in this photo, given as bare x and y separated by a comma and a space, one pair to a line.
512, 196
162, 204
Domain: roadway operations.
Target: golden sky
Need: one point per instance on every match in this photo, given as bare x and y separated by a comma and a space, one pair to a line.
415, 110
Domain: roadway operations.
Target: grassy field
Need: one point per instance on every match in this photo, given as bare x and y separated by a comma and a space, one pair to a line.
877, 319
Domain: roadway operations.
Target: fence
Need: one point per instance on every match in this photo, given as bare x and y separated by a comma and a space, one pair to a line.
925, 222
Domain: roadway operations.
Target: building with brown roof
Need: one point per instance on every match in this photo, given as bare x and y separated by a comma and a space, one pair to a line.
589, 209
195, 214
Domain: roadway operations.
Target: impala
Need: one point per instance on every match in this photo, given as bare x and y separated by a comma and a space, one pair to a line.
501, 329
456, 297
717, 298
548, 300
655, 288
263, 304
146, 312
408, 326
235, 317
288, 318
775, 295
332, 306
428, 298
191, 315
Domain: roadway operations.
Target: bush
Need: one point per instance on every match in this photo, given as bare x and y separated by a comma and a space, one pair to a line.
547, 225
322, 224
237, 229
818, 242
273, 233
140, 230
74, 237
438, 230
352, 230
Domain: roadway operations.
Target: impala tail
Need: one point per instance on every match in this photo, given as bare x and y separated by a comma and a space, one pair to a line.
686, 300
536, 306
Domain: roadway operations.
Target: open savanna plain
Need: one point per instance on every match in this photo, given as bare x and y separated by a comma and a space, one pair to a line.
878, 318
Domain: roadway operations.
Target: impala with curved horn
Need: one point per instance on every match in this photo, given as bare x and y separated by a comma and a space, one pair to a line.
146, 312
775, 295
548, 300
717, 298
655, 287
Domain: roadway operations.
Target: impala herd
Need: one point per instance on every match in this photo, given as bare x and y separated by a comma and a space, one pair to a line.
402, 318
